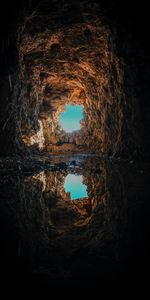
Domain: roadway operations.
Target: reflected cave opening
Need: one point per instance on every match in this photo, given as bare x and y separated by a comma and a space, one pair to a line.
71, 117
74, 185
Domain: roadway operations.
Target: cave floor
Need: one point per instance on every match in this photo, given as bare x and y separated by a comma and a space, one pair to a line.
46, 237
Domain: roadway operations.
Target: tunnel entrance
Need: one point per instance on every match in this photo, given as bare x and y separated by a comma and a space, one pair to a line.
75, 186
71, 117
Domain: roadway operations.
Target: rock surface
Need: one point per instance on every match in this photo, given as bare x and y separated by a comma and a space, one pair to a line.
68, 54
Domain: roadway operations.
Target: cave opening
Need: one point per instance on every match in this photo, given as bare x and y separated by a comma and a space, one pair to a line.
75, 186
71, 117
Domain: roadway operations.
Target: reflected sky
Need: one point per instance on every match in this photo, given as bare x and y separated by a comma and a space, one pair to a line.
74, 184
70, 119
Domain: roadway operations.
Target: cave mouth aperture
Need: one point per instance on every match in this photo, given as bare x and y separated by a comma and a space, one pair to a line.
75, 186
71, 117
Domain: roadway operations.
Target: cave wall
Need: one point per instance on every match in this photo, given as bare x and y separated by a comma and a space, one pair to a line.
74, 63
70, 53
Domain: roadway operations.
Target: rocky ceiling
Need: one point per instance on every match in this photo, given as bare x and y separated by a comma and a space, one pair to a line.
74, 63
68, 54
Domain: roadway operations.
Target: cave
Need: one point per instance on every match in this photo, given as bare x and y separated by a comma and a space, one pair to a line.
75, 142
77, 63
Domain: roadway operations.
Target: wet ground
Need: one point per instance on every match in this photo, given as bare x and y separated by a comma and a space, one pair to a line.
49, 239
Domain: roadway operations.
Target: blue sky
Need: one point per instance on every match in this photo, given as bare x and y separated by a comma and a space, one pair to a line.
74, 185
70, 119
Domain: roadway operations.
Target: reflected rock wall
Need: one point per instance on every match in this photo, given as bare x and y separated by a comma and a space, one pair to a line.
56, 229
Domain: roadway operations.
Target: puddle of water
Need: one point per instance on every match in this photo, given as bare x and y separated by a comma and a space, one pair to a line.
42, 230
70, 119
74, 184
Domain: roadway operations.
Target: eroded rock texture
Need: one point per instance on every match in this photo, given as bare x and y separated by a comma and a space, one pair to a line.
68, 53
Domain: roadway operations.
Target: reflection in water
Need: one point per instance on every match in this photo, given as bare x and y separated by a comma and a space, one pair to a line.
68, 237
42, 178
61, 238
74, 184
